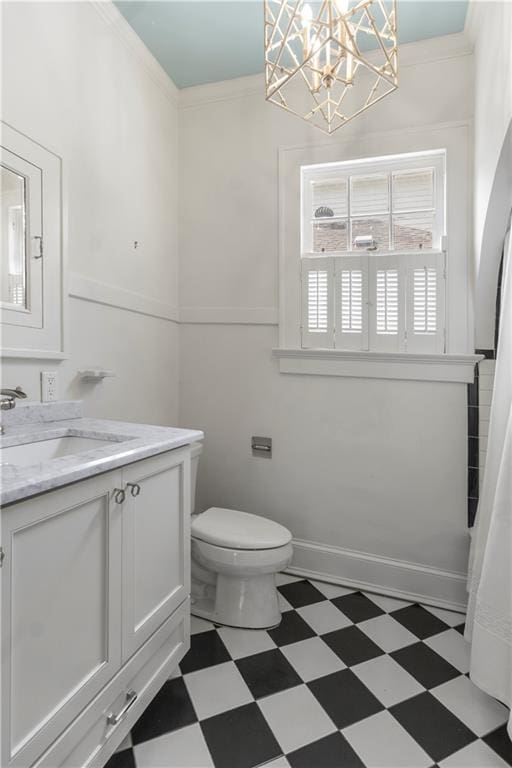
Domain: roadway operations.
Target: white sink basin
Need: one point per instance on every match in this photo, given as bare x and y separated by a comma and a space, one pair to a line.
45, 450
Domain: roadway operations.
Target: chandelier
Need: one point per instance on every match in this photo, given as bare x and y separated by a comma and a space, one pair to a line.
328, 61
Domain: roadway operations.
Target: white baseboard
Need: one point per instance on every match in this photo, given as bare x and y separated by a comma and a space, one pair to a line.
396, 578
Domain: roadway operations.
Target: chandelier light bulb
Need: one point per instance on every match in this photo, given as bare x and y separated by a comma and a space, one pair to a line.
306, 15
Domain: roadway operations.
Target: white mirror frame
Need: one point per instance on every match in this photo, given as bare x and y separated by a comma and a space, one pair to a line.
23, 334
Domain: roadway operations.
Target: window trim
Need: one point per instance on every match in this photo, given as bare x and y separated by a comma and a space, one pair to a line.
455, 138
405, 366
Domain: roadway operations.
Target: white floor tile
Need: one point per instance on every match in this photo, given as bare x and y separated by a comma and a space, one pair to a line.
286, 578
452, 647
331, 590
281, 762
381, 742
175, 673
312, 658
296, 718
475, 755
324, 617
387, 633
452, 618
387, 680
185, 748
245, 642
475, 708
125, 744
217, 689
284, 605
200, 625
387, 603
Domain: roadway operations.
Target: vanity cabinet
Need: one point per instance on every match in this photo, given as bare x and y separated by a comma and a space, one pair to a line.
95, 611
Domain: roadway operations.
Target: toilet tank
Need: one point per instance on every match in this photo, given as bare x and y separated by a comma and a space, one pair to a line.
195, 451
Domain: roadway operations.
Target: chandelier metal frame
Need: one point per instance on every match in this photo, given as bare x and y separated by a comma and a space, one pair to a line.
322, 57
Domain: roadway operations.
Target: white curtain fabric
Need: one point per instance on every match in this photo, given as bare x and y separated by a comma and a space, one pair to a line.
489, 620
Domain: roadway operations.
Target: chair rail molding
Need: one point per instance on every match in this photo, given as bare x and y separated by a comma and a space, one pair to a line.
87, 289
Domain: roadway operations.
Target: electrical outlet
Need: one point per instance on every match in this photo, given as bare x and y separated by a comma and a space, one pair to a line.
48, 386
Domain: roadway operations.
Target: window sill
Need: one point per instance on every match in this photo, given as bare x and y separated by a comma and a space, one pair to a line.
378, 365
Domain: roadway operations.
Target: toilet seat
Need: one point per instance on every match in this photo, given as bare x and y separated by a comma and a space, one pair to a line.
239, 530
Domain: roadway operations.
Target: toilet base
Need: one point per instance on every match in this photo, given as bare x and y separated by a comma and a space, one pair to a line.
245, 603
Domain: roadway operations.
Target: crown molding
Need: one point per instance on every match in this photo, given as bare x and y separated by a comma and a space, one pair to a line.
410, 55
116, 22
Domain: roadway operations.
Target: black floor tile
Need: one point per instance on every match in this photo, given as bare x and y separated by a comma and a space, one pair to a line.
206, 649
300, 593
460, 628
268, 672
170, 709
332, 751
419, 621
123, 759
424, 664
240, 738
357, 607
352, 645
291, 629
345, 698
433, 726
499, 741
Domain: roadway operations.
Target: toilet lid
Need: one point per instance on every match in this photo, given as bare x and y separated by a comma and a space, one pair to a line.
238, 530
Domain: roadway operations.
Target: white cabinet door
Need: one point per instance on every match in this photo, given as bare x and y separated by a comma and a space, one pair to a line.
156, 544
61, 600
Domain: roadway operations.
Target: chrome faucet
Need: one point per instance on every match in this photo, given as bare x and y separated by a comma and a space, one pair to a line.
8, 399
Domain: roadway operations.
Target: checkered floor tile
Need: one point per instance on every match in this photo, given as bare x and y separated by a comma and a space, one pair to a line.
347, 680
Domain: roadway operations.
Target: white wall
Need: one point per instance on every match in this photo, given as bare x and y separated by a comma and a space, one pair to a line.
489, 25
76, 81
359, 464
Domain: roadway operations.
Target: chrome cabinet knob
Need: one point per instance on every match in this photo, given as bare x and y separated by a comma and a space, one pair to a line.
119, 495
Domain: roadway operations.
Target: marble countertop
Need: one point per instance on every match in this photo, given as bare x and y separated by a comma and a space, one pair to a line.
127, 443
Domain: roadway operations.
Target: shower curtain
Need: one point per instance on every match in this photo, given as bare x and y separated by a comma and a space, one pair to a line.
489, 619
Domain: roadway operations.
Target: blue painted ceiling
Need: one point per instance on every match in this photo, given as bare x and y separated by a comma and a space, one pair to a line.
203, 41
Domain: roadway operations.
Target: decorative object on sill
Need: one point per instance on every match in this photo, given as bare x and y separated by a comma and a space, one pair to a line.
96, 374
324, 212
329, 64
365, 241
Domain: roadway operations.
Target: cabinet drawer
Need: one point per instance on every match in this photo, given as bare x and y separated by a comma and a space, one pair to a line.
90, 740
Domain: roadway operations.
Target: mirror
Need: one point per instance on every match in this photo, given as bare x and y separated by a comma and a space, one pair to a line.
13, 251
32, 293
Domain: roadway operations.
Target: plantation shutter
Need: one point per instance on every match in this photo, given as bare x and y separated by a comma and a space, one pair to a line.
318, 302
387, 304
426, 299
351, 302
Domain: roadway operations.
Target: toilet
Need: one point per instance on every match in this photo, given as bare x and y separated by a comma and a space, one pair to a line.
235, 557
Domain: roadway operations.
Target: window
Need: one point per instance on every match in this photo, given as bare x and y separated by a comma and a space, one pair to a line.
373, 266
